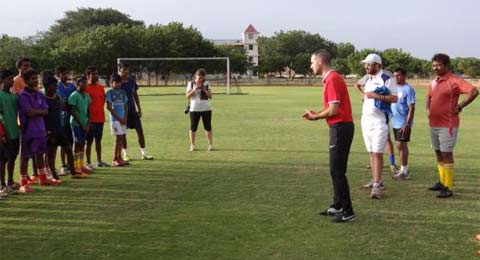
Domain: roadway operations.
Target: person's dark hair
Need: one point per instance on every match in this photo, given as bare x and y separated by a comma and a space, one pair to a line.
20, 61
89, 70
49, 79
60, 69
324, 55
115, 78
123, 65
5, 73
442, 58
29, 74
80, 79
200, 72
401, 70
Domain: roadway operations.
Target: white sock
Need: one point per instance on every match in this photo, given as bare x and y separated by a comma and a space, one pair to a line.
143, 150
124, 151
404, 168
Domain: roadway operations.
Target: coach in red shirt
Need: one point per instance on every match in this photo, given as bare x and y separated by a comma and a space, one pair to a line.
337, 111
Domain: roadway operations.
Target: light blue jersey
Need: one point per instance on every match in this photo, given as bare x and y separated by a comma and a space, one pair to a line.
406, 97
118, 99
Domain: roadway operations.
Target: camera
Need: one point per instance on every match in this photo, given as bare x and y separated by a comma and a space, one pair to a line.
187, 109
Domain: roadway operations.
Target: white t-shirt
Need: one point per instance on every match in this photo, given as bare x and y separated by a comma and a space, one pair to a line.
370, 113
196, 103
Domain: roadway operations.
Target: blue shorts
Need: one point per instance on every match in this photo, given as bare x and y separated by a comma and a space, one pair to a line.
95, 132
78, 135
133, 120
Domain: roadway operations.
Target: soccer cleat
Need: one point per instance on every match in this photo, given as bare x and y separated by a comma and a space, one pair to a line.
369, 185
331, 211
401, 176
33, 180
25, 189
79, 175
3, 192
102, 164
14, 186
44, 181
343, 218
64, 171
9, 190
126, 158
146, 156
445, 193
393, 169
86, 170
376, 192
210, 148
89, 167
124, 163
436, 187
55, 182
192, 148
117, 163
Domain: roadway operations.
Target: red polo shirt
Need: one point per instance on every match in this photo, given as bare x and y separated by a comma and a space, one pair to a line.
335, 91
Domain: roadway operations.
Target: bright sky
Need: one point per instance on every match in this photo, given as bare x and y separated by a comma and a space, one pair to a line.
421, 27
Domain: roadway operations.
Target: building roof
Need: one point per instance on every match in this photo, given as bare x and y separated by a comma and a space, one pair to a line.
251, 29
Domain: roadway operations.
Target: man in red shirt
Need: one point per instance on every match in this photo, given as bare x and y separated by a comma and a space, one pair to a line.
443, 116
337, 111
96, 117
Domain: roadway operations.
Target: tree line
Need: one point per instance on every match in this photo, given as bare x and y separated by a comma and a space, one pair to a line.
89, 36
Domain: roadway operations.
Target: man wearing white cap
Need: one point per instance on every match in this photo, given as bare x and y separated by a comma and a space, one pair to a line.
380, 91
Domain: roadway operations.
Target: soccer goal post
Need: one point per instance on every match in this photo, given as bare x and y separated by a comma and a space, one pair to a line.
227, 59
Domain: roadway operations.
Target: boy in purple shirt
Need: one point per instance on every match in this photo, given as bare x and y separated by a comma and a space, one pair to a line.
32, 108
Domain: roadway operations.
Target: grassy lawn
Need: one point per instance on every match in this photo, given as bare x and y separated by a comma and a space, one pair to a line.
256, 197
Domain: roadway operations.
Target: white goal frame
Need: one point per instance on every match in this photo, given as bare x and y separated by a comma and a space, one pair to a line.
184, 58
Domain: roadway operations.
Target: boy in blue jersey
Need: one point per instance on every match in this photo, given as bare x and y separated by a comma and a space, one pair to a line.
64, 90
117, 100
129, 85
402, 120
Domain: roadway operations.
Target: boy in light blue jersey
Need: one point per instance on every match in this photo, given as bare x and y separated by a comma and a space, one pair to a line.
402, 120
117, 104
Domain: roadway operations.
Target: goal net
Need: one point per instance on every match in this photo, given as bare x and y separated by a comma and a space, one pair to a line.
177, 72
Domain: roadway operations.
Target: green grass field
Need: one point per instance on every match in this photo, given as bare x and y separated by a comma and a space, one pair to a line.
256, 197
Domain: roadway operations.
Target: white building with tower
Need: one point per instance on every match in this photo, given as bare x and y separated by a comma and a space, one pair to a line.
248, 42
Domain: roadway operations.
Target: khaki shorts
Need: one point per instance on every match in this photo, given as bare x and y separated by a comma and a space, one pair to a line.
442, 140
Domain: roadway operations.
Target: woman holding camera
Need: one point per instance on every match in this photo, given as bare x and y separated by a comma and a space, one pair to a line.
199, 92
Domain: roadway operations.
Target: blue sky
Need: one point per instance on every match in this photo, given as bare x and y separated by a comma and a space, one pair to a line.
421, 27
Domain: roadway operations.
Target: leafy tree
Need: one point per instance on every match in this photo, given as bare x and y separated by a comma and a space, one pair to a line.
11, 48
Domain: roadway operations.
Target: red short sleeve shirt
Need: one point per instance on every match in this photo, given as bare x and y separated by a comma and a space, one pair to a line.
96, 109
335, 91
443, 96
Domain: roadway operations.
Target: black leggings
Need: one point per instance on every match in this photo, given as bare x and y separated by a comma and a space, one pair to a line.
206, 119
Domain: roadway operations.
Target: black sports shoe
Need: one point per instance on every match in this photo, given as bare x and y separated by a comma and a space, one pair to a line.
342, 218
445, 193
331, 211
436, 187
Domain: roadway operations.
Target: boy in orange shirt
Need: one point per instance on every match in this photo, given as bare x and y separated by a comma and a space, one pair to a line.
96, 115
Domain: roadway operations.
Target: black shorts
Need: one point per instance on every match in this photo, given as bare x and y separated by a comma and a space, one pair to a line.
133, 120
13, 148
206, 119
401, 137
9, 150
68, 133
95, 132
58, 138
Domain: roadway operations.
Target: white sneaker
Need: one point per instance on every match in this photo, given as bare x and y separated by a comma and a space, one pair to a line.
90, 167
401, 176
210, 148
192, 148
376, 192
64, 171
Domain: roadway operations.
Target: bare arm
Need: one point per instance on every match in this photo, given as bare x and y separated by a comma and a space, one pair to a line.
386, 99
36, 112
137, 102
472, 95
330, 111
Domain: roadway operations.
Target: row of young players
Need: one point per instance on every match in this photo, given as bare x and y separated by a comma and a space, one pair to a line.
65, 115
